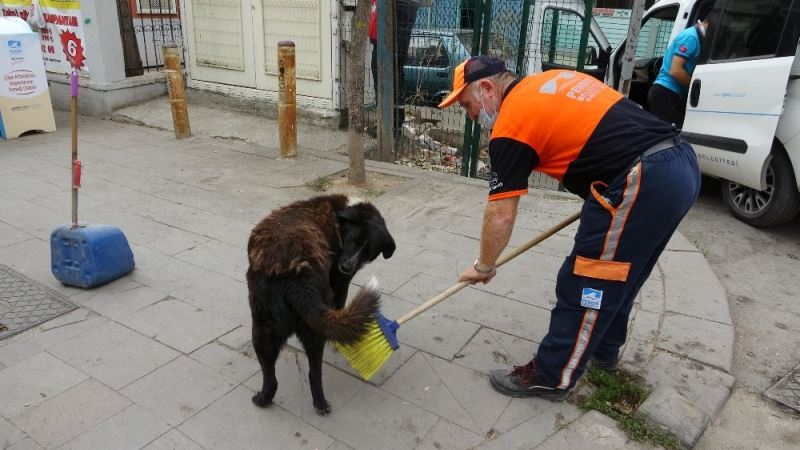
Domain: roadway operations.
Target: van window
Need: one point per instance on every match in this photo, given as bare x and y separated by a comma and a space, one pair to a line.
561, 37
749, 29
655, 32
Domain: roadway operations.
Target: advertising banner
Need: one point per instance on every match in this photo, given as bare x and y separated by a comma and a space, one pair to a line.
24, 95
63, 44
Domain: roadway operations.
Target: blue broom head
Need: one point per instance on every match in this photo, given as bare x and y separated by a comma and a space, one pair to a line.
389, 329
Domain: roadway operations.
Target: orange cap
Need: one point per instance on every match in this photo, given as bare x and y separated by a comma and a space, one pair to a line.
472, 69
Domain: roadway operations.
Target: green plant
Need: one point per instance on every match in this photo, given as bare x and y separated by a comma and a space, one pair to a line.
618, 395
320, 184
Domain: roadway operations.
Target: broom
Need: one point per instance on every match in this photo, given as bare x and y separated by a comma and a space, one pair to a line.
370, 353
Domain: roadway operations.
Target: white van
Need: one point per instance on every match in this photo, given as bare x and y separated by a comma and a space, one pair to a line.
743, 113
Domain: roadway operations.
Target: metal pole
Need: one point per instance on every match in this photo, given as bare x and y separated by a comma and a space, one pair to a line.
551, 52
177, 91
386, 79
76, 165
469, 125
587, 23
630, 47
287, 99
476, 138
522, 44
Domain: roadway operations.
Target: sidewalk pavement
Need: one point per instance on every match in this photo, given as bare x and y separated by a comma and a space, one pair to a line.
162, 358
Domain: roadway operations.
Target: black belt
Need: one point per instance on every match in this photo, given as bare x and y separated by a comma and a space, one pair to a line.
666, 144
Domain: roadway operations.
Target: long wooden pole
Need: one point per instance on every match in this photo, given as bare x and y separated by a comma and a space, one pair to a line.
500, 261
287, 99
76, 165
177, 90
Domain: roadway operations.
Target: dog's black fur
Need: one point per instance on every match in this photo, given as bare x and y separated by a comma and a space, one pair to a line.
302, 258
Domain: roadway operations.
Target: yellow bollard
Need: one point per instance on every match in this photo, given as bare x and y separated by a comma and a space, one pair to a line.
177, 90
287, 99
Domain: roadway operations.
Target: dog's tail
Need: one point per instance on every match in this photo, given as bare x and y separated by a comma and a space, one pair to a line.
348, 325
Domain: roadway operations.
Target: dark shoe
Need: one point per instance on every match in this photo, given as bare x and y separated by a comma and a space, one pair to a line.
608, 365
524, 381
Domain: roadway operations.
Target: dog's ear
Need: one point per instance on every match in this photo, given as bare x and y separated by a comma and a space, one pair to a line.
388, 246
350, 214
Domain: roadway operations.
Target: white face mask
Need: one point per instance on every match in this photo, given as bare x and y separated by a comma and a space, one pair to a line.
484, 118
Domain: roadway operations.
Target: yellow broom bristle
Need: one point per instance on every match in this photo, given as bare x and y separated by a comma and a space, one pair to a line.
369, 354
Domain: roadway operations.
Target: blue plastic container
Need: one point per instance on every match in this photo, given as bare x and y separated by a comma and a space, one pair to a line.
88, 256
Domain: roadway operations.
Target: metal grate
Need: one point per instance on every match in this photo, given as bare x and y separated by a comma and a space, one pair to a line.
787, 390
25, 303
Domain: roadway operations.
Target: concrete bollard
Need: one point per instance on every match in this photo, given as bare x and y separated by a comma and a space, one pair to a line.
177, 91
287, 99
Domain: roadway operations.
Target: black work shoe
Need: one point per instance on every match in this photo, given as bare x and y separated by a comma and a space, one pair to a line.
608, 365
524, 381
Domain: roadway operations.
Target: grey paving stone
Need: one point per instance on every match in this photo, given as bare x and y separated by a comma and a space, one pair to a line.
218, 257
26, 187
642, 338
178, 324
461, 395
130, 429
592, 430
702, 340
11, 235
179, 389
238, 338
172, 440
22, 346
674, 414
294, 394
706, 387
231, 363
218, 294
381, 419
447, 436
651, 295
9, 434
390, 275
113, 354
26, 444
532, 290
491, 349
432, 331
119, 298
535, 264
686, 266
706, 300
234, 422
536, 430
510, 316
521, 410
70, 413
678, 242
32, 259
160, 271
21, 391
235, 234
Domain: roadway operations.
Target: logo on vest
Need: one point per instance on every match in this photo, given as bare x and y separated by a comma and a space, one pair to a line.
591, 298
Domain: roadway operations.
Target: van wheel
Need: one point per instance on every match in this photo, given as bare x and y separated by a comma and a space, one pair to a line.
775, 205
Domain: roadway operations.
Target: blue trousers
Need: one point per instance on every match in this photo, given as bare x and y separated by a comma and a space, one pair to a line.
623, 229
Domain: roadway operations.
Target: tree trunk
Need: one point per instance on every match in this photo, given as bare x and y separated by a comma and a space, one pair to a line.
130, 47
356, 174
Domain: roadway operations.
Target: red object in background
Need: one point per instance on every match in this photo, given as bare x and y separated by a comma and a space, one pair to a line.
77, 169
373, 22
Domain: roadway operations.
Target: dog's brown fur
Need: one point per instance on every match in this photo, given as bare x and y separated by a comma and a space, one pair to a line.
302, 258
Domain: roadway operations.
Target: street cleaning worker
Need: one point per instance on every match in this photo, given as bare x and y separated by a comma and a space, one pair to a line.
667, 96
638, 180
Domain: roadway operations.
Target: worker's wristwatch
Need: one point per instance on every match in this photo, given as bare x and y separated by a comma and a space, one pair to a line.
480, 270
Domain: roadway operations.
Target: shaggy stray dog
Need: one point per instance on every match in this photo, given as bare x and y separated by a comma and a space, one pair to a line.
302, 258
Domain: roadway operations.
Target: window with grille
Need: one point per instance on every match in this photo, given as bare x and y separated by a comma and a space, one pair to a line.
157, 6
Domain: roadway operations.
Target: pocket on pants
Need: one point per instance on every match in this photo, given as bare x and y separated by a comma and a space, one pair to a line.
601, 269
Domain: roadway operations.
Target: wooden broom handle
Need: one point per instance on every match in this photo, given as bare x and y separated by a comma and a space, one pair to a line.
500, 261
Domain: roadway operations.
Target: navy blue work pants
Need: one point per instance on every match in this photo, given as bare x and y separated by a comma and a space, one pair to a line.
623, 229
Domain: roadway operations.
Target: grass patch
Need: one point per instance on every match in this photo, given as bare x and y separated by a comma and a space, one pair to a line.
618, 395
321, 184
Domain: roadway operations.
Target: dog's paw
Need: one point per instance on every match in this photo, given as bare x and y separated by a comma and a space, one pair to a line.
262, 400
323, 410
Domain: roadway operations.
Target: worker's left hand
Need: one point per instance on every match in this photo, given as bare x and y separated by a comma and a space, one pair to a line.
473, 276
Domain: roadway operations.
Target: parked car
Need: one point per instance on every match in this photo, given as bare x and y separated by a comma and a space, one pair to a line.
743, 113
432, 56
